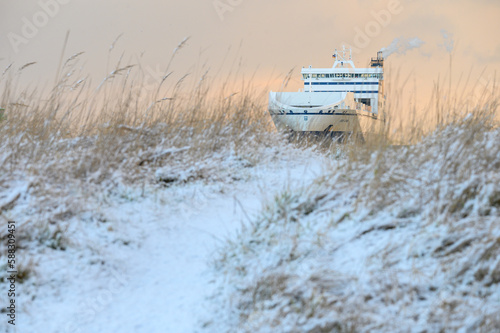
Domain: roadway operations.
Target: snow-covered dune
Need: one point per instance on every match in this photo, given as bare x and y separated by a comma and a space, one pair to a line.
125, 257
394, 240
188, 215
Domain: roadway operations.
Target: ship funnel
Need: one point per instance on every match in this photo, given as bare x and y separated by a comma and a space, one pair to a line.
378, 61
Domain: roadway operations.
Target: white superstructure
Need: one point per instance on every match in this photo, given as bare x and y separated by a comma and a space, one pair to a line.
338, 100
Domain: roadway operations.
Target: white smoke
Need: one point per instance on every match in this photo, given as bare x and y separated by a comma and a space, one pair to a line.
449, 42
401, 46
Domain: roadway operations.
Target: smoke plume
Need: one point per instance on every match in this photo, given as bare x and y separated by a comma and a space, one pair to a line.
401, 46
449, 42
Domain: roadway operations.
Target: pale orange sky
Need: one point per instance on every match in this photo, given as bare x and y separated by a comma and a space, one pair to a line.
269, 36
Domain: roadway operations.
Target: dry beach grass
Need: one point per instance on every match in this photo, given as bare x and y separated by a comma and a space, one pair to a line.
60, 147
433, 200
408, 233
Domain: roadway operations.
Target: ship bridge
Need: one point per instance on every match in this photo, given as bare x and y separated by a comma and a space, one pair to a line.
365, 83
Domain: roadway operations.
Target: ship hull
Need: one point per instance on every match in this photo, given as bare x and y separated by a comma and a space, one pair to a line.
343, 117
357, 124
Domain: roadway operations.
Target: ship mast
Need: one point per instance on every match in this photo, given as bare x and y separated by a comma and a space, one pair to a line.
342, 58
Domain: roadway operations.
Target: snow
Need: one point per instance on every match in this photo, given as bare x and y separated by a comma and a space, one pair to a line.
402, 236
284, 240
139, 260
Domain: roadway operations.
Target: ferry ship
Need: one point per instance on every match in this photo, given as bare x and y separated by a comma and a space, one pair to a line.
342, 101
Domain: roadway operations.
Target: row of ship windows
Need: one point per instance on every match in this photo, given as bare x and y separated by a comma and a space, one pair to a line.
344, 76
340, 83
354, 91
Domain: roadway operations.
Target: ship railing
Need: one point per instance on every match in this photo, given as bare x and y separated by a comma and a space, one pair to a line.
375, 62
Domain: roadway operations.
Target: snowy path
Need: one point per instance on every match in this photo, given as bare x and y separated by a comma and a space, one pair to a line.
168, 281
160, 281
